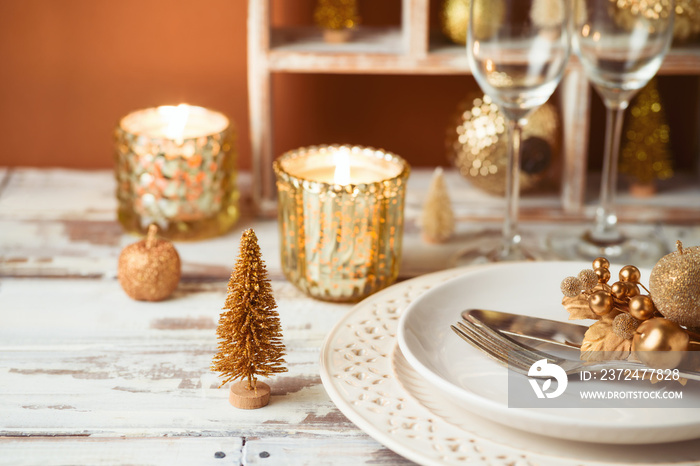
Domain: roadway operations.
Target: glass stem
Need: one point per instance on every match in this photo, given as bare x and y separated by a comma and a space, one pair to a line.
606, 231
511, 237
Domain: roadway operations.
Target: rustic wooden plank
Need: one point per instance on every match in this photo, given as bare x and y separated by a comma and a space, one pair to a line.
331, 452
79, 357
381, 50
119, 451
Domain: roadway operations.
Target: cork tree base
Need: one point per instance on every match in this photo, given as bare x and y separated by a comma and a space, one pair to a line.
242, 398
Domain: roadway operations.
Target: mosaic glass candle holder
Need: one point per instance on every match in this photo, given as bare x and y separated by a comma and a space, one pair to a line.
341, 219
175, 167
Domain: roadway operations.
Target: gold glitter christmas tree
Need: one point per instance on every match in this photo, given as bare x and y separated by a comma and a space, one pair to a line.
249, 331
645, 155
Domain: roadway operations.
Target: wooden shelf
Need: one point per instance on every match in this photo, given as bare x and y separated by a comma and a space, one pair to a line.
410, 49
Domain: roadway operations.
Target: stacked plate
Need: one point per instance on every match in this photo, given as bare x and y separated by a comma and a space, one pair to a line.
393, 366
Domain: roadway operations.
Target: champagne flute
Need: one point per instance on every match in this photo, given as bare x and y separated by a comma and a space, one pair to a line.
517, 52
621, 45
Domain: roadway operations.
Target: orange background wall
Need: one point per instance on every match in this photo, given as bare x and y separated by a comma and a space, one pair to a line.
69, 69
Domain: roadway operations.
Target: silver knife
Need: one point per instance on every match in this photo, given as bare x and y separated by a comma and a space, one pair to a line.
531, 329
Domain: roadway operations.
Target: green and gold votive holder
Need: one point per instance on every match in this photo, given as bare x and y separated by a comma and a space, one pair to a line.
175, 167
341, 219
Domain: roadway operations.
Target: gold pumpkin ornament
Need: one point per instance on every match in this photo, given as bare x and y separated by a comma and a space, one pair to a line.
149, 270
674, 286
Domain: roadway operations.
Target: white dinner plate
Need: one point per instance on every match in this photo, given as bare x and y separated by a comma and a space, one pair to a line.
481, 385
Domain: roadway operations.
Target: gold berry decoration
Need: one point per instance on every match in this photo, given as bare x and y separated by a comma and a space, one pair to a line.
660, 343
601, 302
601, 262
630, 273
571, 286
674, 285
588, 279
603, 274
624, 325
641, 307
149, 270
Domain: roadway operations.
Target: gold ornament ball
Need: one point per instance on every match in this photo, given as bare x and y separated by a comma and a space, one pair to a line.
601, 262
660, 343
603, 274
630, 273
588, 279
454, 19
624, 325
601, 302
571, 287
477, 145
641, 307
149, 270
674, 286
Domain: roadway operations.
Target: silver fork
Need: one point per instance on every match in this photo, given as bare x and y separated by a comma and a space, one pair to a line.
520, 357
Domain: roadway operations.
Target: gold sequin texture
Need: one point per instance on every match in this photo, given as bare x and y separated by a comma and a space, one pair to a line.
674, 286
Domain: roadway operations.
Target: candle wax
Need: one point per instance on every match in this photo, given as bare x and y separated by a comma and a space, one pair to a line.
358, 174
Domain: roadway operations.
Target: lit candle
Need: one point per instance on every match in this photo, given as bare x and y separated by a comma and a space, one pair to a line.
341, 219
175, 167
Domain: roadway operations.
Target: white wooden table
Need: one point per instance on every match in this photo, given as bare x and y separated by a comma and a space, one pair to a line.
89, 376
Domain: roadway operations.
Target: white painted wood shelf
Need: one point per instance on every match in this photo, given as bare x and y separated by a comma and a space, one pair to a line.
410, 49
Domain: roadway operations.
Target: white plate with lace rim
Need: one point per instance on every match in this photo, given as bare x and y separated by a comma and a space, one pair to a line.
481, 385
372, 384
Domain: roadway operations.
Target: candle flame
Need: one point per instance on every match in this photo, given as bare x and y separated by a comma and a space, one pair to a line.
176, 120
342, 168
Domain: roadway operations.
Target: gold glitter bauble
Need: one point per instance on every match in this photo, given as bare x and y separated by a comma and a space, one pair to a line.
149, 270
588, 278
478, 145
686, 23
624, 325
674, 285
642, 307
454, 18
571, 287
660, 343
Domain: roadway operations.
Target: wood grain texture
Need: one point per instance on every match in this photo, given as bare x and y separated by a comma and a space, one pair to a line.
89, 376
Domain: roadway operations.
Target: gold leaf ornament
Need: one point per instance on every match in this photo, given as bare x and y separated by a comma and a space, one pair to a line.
600, 343
578, 307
